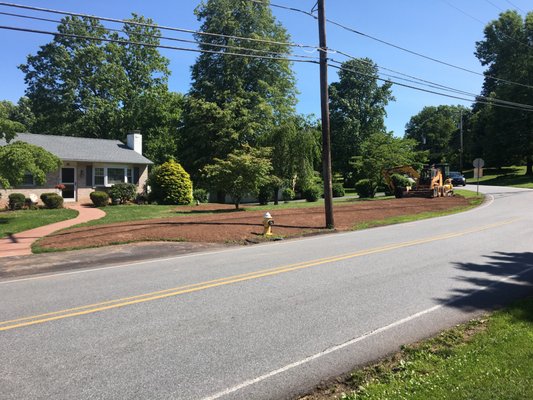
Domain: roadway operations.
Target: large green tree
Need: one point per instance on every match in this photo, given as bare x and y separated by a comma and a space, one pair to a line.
91, 82
19, 158
15, 118
436, 129
241, 173
234, 100
507, 52
357, 106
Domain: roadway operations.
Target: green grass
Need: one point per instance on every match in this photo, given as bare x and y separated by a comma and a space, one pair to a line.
490, 358
474, 201
507, 176
22, 220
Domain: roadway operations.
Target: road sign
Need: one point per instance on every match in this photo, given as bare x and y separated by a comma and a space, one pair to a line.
478, 163
478, 173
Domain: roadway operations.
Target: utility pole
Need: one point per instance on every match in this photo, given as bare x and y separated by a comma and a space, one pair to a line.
324, 99
461, 150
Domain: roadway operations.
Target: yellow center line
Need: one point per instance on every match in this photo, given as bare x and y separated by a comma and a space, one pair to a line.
127, 301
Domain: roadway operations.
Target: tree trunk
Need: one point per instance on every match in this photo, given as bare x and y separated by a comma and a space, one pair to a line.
276, 195
529, 166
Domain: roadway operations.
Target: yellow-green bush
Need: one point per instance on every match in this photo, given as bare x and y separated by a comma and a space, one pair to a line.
170, 184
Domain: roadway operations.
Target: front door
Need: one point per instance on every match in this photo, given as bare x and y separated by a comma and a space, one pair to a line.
68, 179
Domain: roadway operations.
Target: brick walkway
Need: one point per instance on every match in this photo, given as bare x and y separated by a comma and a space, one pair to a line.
20, 243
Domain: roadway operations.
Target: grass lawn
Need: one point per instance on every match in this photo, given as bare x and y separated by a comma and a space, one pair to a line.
488, 358
22, 220
507, 176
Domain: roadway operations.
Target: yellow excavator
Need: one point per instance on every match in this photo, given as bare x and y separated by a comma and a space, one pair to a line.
428, 183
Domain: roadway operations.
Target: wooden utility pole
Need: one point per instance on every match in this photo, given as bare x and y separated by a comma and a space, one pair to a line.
324, 99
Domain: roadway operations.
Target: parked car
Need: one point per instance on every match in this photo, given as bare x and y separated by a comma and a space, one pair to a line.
457, 178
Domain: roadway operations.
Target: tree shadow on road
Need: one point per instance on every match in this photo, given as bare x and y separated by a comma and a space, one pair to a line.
504, 277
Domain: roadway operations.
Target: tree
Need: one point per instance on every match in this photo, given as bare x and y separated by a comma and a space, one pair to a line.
19, 158
170, 184
295, 152
383, 150
507, 53
357, 105
89, 87
15, 118
235, 100
436, 129
242, 172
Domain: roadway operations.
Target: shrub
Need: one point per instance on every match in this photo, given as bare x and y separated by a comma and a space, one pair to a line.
122, 192
338, 190
16, 201
52, 200
264, 195
312, 193
365, 188
200, 195
170, 184
400, 180
288, 194
99, 198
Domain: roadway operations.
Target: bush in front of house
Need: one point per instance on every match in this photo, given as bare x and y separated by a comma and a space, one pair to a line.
200, 195
288, 194
121, 193
312, 193
170, 184
365, 188
99, 198
16, 201
338, 190
52, 200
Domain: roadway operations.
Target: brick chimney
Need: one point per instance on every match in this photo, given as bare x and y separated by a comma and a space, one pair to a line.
135, 141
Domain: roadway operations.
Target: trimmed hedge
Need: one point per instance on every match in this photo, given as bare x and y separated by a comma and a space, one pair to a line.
52, 200
365, 188
338, 190
200, 195
312, 193
99, 198
170, 184
122, 192
16, 201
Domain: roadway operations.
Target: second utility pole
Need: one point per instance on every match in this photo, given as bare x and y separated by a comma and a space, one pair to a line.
324, 100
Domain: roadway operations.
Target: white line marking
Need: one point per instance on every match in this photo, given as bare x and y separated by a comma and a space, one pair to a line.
306, 360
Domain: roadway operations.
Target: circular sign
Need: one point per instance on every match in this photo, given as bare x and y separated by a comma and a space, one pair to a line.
478, 163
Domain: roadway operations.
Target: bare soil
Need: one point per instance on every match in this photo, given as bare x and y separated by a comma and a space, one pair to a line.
221, 223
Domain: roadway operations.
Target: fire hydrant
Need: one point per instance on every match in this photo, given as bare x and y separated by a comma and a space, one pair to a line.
268, 221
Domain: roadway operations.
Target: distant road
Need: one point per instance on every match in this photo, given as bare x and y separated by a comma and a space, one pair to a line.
260, 322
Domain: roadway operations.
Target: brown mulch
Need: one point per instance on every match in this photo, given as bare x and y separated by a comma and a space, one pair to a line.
219, 223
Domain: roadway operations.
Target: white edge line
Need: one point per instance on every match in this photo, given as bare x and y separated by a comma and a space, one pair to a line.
205, 253
330, 350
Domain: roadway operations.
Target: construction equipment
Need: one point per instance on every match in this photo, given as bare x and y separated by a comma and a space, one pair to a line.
428, 183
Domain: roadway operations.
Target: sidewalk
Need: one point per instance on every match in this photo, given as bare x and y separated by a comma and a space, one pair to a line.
20, 243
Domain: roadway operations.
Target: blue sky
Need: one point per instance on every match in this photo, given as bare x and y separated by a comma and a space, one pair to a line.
442, 29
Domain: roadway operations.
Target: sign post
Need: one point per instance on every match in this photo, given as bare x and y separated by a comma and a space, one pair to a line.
478, 172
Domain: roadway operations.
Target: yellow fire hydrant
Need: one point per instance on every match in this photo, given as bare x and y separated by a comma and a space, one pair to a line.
268, 221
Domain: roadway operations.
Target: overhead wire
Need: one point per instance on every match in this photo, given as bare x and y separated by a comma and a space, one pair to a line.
312, 60
415, 53
515, 6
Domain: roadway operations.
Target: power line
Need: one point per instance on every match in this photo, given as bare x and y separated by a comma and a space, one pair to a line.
515, 6
161, 46
495, 5
168, 38
495, 102
415, 53
163, 27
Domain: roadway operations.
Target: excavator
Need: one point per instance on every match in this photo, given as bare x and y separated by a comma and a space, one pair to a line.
428, 183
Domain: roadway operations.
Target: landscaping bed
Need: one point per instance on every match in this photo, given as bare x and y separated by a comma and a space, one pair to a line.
220, 223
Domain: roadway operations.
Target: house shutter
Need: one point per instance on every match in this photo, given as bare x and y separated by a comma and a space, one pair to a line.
89, 175
136, 172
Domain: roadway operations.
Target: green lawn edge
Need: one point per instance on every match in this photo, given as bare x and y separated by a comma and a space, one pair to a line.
12, 222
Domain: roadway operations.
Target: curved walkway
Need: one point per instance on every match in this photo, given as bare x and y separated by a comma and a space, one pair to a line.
20, 243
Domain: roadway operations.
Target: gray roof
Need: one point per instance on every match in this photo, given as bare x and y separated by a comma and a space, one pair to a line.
83, 149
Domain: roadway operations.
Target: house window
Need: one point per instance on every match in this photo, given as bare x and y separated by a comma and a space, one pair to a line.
99, 177
28, 179
129, 175
115, 175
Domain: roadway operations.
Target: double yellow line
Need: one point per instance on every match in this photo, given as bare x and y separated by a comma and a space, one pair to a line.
176, 291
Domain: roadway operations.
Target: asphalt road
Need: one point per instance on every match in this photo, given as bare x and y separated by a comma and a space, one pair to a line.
260, 322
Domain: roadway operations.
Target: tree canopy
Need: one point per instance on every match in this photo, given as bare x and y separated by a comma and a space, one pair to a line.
357, 106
